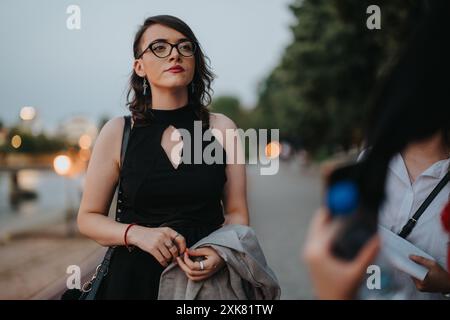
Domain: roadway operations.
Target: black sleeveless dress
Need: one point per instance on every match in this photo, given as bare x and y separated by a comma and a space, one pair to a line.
154, 193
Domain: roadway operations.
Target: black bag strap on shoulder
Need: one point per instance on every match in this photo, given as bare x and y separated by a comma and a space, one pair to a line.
125, 138
90, 289
409, 226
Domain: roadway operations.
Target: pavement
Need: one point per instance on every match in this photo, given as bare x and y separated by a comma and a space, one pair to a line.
281, 207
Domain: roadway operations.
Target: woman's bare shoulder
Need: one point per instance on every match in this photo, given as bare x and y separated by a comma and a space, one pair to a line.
112, 129
221, 121
109, 140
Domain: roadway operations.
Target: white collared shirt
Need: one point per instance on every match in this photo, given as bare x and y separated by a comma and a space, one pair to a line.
403, 198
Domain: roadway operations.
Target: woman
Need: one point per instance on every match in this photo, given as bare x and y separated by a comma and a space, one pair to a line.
411, 122
167, 205
412, 176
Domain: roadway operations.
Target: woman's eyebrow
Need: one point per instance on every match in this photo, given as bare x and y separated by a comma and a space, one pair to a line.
166, 40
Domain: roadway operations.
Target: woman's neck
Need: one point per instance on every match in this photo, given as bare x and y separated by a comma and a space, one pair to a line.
169, 99
419, 156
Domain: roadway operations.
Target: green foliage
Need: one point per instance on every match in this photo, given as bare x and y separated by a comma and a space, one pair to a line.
319, 91
33, 144
232, 108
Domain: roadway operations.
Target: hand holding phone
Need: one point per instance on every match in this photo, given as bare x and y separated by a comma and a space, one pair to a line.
349, 198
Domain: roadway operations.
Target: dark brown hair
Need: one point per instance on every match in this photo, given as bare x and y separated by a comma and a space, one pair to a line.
199, 90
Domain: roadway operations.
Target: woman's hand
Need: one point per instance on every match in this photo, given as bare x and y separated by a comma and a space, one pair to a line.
437, 279
165, 244
193, 270
334, 278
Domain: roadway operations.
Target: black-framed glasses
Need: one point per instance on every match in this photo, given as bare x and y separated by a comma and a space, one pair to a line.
163, 49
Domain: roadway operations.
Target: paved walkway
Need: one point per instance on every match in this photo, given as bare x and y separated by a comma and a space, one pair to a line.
33, 265
281, 207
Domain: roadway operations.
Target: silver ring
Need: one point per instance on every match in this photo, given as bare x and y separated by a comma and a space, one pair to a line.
202, 267
176, 236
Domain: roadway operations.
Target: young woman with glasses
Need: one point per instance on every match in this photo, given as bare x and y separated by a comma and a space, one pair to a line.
166, 205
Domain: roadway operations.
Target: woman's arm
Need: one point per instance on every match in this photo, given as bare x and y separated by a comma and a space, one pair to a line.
235, 189
101, 180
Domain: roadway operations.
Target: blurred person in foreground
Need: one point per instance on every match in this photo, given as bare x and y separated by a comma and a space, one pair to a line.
410, 129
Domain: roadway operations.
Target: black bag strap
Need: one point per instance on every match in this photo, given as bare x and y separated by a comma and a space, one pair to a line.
125, 139
102, 269
409, 226
123, 150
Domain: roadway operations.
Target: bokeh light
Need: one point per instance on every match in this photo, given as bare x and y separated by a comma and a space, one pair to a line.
84, 154
16, 141
27, 113
273, 150
62, 164
85, 141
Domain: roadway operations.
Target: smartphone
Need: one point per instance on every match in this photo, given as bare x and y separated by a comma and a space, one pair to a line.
354, 195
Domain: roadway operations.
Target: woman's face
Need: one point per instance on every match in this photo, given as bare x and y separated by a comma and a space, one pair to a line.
158, 70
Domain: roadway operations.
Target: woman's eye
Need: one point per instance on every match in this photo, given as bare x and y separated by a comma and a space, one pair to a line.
186, 47
159, 48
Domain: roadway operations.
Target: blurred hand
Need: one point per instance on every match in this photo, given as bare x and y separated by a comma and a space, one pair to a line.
437, 279
332, 277
165, 244
211, 264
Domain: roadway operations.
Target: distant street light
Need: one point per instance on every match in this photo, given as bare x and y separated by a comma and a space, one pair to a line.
273, 150
27, 113
16, 141
62, 165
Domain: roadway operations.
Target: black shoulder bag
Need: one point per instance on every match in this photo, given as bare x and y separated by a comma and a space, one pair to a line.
89, 290
409, 226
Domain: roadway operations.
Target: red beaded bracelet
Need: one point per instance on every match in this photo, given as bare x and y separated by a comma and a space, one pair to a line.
125, 236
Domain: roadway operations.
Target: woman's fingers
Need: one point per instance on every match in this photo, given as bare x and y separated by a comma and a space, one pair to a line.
320, 220
180, 241
367, 254
165, 253
191, 264
197, 270
423, 261
188, 271
177, 238
173, 249
183, 265
196, 265
158, 256
199, 252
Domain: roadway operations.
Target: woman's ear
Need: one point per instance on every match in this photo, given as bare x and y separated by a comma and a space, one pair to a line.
138, 67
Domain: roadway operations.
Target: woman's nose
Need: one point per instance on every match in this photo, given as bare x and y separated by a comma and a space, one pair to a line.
174, 55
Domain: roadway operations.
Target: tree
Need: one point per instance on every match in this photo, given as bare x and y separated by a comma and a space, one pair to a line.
34, 144
318, 93
232, 108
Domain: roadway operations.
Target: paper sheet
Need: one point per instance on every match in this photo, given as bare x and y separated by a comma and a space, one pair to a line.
398, 250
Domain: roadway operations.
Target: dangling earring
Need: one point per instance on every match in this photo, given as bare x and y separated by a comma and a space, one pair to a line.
192, 88
145, 86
